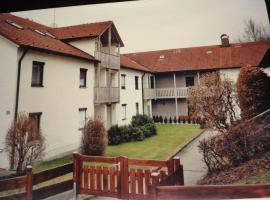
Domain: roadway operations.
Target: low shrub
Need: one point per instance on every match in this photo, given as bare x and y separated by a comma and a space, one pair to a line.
175, 120
114, 135
160, 119
179, 120
165, 120
141, 127
170, 120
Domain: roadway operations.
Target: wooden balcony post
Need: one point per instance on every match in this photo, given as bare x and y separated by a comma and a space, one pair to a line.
29, 183
175, 96
178, 167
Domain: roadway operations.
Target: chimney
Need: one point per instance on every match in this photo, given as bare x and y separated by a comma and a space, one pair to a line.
224, 40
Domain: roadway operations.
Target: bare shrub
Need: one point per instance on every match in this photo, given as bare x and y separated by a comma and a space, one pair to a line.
94, 138
24, 143
215, 101
241, 143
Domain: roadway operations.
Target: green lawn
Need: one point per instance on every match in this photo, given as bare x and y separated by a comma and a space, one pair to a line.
168, 140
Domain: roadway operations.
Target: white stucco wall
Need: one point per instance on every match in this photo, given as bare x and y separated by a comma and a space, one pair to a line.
87, 45
267, 70
59, 99
129, 96
8, 80
231, 74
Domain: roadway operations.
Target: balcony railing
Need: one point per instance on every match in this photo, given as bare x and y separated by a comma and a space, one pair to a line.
108, 60
107, 95
165, 93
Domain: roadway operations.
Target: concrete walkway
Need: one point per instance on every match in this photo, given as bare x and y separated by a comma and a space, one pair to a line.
192, 159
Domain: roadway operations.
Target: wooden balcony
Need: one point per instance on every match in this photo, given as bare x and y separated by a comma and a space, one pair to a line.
165, 93
107, 95
108, 60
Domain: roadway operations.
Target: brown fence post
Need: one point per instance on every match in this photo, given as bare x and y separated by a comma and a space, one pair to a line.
29, 183
182, 182
76, 174
153, 187
176, 161
124, 185
170, 166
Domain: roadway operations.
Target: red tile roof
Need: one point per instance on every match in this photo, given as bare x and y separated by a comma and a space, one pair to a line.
84, 31
131, 64
202, 58
27, 37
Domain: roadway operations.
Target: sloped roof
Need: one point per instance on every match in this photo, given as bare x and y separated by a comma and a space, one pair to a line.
84, 31
126, 62
202, 58
27, 37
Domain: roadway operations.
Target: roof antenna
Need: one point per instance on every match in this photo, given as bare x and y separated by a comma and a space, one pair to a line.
54, 25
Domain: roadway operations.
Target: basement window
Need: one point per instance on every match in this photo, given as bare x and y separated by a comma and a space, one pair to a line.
36, 118
12, 23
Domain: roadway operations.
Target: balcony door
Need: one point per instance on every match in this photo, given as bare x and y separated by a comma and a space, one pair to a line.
189, 81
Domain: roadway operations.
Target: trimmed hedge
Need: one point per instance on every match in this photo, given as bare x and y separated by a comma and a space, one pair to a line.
141, 127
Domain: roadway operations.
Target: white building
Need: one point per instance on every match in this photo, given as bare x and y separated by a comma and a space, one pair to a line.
63, 76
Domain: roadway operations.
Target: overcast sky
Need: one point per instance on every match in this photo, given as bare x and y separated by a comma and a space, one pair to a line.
147, 25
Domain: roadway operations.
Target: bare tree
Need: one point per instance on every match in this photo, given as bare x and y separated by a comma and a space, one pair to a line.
24, 142
254, 32
215, 100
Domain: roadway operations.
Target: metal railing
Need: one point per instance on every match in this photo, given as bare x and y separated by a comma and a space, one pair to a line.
108, 60
107, 94
164, 93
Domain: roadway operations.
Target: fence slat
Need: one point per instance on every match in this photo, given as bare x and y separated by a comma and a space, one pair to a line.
140, 181
20, 196
52, 189
98, 179
97, 159
154, 163
86, 178
12, 183
132, 177
105, 179
112, 179
213, 192
147, 174
162, 175
52, 173
92, 178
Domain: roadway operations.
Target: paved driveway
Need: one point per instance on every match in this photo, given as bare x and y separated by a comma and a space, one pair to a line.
192, 160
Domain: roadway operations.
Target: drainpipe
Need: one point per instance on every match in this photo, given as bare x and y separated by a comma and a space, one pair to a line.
16, 103
143, 93
18, 83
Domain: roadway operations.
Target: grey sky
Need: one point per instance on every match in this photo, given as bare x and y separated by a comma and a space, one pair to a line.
163, 24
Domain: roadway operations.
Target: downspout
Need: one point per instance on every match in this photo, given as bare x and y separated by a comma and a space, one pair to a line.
16, 103
18, 82
143, 93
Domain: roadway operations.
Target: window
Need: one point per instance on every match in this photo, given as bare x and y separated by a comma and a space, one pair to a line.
36, 118
151, 82
137, 108
83, 73
123, 81
136, 82
37, 74
189, 81
124, 111
82, 117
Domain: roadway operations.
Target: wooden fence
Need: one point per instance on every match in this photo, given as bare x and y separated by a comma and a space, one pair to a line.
121, 177
28, 182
